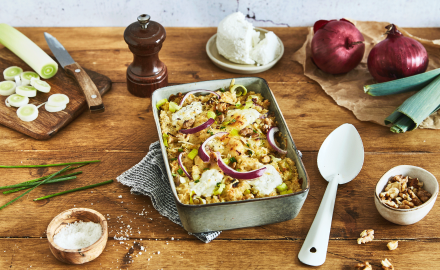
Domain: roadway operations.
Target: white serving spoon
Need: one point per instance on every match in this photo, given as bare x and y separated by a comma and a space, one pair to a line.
340, 160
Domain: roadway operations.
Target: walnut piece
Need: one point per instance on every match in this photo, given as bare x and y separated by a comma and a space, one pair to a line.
364, 266
221, 107
392, 245
188, 123
220, 118
366, 236
386, 265
265, 159
246, 132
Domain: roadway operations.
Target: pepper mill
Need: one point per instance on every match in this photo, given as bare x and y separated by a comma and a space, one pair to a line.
147, 73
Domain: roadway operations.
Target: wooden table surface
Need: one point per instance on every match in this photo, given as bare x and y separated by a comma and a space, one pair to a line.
121, 136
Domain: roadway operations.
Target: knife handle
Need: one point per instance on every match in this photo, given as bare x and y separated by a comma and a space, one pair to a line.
89, 88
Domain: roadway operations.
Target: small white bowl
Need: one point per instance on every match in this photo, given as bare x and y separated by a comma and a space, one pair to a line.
225, 64
413, 215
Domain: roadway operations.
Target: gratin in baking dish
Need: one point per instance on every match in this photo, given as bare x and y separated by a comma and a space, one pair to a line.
236, 214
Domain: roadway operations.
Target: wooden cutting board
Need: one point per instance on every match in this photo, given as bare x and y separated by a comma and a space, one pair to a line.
48, 124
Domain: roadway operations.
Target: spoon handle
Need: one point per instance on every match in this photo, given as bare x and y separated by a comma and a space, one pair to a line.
314, 249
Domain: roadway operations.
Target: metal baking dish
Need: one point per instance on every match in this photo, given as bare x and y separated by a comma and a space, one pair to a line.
238, 214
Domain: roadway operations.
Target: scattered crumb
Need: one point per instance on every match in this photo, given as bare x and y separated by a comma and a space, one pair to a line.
366, 236
392, 245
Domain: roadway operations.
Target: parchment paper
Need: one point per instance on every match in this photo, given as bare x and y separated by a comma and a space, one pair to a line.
347, 89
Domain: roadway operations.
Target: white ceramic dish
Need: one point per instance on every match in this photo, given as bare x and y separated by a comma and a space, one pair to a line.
225, 64
413, 215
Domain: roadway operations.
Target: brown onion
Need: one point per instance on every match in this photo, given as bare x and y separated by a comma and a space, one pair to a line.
397, 57
337, 46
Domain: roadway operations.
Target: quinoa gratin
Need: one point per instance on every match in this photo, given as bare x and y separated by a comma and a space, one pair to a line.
244, 120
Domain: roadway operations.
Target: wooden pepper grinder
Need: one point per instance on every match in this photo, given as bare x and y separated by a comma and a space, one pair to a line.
147, 73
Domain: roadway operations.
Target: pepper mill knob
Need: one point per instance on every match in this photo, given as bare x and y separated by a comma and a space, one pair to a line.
144, 19
146, 73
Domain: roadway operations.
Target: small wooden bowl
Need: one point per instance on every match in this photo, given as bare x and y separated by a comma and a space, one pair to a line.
83, 255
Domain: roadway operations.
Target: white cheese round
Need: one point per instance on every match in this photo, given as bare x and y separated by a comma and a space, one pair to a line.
268, 181
235, 38
188, 112
207, 183
243, 118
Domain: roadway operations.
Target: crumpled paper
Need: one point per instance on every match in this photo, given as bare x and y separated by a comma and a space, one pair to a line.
347, 89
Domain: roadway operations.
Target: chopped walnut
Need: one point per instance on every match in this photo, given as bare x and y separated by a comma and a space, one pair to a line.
265, 159
220, 118
366, 236
234, 165
246, 132
265, 128
364, 266
188, 123
404, 192
386, 265
221, 107
392, 245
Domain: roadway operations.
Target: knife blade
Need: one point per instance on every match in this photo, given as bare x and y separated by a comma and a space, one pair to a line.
91, 93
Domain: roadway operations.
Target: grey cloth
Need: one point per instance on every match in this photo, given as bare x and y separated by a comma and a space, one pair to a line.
148, 177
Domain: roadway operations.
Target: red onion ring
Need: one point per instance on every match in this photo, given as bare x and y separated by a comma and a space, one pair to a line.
198, 128
197, 91
183, 167
239, 175
202, 152
271, 140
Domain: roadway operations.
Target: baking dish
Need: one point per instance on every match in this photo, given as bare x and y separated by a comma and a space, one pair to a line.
237, 214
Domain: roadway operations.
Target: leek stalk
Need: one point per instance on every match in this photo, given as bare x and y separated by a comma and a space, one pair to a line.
28, 51
411, 83
416, 108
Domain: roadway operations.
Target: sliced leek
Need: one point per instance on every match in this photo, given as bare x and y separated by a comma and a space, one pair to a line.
40, 85
51, 108
11, 72
160, 103
16, 101
28, 51
239, 90
173, 107
27, 76
28, 112
416, 108
58, 100
26, 90
7, 88
411, 83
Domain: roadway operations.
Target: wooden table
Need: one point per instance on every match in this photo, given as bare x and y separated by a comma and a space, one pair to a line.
121, 136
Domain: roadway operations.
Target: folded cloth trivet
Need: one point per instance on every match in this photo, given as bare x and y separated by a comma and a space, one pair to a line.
148, 177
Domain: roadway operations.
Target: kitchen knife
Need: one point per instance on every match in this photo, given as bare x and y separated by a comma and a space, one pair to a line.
90, 90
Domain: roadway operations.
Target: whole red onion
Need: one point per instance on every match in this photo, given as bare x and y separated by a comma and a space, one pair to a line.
337, 46
397, 57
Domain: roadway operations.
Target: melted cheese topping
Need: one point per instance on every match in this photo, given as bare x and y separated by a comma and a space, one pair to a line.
207, 183
188, 112
268, 181
243, 118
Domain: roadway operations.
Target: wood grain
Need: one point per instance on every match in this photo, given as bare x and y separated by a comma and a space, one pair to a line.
48, 124
121, 137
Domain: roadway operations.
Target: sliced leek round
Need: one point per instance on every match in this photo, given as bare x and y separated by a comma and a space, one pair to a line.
11, 72
51, 108
58, 100
27, 76
7, 88
16, 100
28, 112
40, 85
26, 90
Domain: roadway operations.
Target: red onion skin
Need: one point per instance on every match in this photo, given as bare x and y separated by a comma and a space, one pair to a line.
397, 57
337, 46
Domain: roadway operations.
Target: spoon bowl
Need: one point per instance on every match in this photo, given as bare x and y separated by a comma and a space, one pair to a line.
340, 160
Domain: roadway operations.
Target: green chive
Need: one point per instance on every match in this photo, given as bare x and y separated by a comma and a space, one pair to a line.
49, 165
180, 171
172, 159
233, 159
55, 180
73, 190
42, 182
196, 181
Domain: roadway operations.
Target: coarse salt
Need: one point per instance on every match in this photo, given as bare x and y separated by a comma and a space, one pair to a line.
78, 235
